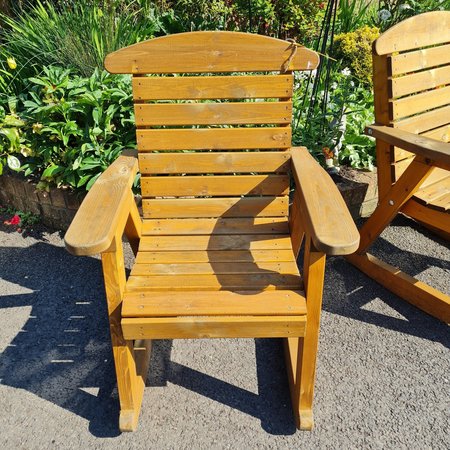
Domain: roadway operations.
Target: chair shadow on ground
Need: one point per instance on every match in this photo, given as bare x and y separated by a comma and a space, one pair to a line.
62, 354
356, 290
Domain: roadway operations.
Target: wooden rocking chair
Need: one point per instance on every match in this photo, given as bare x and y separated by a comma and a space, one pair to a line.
216, 248
411, 73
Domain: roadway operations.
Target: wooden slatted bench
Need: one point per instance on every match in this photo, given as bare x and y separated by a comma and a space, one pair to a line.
216, 248
411, 63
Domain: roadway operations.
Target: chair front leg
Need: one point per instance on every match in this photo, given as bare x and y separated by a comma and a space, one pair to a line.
130, 382
301, 353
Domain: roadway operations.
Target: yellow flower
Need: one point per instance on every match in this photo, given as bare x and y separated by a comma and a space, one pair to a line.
11, 63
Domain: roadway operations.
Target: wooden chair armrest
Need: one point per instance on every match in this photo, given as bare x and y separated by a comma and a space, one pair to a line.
437, 151
326, 216
104, 210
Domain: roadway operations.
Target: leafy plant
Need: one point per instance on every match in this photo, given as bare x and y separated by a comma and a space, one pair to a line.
74, 127
78, 37
354, 50
391, 12
354, 14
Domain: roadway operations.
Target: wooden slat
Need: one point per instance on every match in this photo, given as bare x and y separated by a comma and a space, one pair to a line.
431, 217
240, 282
425, 101
214, 303
424, 122
440, 133
423, 30
420, 59
218, 185
153, 114
241, 225
410, 289
207, 243
421, 81
217, 87
250, 255
442, 202
214, 268
210, 51
432, 193
214, 327
216, 207
214, 162
214, 138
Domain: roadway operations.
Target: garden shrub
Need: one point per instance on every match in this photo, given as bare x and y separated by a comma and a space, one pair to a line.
354, 50
66, 129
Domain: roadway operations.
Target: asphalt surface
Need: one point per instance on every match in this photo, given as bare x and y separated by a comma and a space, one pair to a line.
382, 378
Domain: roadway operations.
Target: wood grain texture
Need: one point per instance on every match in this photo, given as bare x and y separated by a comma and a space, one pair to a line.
424, 122
423, 30
217, 87
440, 220
219, 242
214, 303
216, 207
241, 225
221, 162
217, 282
422, 102
214, 138
390, 205
202, 256
319, 198
154, 114
211, 268
420, 81
104, 210
417, 293
213, 327
225, 185
438, 152
130, 383
210, 51
420, 59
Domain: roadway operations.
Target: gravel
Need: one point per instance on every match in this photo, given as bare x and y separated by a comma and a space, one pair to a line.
382, 378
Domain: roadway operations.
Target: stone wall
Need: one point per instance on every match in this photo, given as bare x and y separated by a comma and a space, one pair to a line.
56, 208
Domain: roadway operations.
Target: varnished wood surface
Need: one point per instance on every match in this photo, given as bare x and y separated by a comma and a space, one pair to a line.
423, 30
217, 87
319, 198
210, 51
213, 303
105, 209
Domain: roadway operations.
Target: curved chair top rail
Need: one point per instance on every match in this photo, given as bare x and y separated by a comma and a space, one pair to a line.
431, 28
211, 51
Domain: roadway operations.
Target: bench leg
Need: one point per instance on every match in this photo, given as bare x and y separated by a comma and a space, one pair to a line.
130, 376
301, 353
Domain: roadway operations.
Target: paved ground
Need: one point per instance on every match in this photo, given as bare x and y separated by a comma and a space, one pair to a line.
382, 381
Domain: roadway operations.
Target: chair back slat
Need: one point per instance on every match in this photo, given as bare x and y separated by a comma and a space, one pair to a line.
212, 130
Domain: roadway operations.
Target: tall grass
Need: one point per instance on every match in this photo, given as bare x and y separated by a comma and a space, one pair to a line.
77, 35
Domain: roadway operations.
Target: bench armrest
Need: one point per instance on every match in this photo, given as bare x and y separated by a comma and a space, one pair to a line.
326, 216
104, 210
437, 151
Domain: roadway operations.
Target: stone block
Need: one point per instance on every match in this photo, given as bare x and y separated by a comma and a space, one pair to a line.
57, 198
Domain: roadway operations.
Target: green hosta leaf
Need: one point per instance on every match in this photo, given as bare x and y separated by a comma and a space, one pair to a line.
83, 180
51, 171
92, 181
13, 163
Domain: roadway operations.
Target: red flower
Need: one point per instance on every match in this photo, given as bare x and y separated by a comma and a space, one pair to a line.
15, 220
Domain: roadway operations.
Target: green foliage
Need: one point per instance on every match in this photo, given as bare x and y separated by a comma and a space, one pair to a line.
78, 37
73, 128
354, 14
337, 127
391, 12
354, 50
